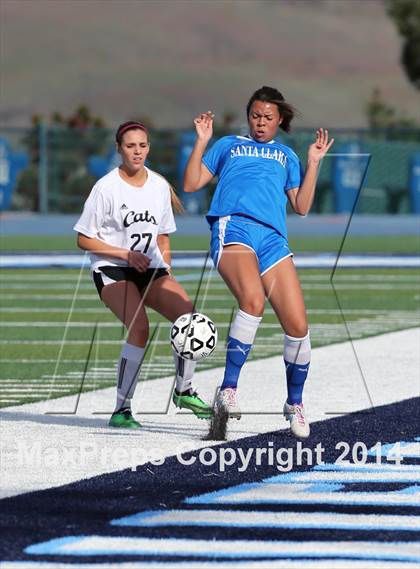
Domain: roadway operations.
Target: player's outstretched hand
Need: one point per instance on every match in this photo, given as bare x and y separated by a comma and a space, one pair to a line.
320, 147
138, 260
204, 126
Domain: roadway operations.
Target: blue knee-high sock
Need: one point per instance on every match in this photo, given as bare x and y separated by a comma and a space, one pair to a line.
296, 375
297, 357
241, 337
236, 355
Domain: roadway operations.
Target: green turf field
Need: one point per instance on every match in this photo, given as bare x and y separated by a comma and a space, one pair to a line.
407, 244
48, 319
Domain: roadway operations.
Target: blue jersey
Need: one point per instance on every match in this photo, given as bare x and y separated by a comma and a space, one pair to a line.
254, 178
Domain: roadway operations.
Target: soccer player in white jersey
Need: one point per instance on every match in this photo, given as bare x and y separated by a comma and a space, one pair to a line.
256, 177
125, 226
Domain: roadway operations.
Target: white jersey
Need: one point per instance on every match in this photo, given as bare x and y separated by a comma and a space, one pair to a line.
127, 216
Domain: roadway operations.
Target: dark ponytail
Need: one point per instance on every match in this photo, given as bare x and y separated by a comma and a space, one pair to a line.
272, 95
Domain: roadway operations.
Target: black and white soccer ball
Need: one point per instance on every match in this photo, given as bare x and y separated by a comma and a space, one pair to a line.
193, 336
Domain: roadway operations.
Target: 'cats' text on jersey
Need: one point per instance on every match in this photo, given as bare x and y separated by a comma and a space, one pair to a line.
133, 217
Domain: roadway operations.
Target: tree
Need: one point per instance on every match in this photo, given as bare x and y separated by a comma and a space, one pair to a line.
379, 113
386, 120
406, 16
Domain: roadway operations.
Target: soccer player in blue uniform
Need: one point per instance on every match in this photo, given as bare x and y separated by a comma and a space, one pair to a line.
256, 177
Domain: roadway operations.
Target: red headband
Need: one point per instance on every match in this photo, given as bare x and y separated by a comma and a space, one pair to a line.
129, 126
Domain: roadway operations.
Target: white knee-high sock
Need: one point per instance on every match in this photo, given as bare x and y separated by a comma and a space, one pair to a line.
184, 373
129, 365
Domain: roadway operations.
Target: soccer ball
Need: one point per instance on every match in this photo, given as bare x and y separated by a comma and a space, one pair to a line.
193, 336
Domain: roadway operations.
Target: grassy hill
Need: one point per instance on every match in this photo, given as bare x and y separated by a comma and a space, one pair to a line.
168, 59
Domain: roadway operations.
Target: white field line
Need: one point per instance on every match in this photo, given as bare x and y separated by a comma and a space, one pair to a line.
39, 389
36, 382
47, 361
70, 376
365, 326
217, 284
50, 297
43, 286
92, 310
71, 282
309, 287
49, 275
29, 310
361, 286
362, 278
381, 316
267, 312
76, 375
105, 324
395, 315
55, 342
37, 324
371, 330
89, 378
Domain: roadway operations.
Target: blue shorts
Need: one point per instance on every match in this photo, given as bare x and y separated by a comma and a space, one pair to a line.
268, 245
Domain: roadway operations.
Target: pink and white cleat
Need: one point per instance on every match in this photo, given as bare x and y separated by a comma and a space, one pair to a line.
299, 425
226, 399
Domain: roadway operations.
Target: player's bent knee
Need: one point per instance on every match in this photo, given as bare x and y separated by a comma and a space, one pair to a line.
253, 306
182, 308
298, 330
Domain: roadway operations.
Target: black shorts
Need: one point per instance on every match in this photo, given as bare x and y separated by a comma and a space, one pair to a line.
114, 274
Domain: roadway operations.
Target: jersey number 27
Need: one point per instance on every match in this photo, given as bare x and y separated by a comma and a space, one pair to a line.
138, 237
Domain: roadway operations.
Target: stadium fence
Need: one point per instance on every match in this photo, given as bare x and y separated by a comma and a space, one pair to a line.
51, 169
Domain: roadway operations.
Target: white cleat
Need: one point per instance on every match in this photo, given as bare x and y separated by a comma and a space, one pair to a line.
226, 399
299, 425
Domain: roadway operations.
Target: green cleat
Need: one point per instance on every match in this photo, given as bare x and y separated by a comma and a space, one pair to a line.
123, 419
190, 400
